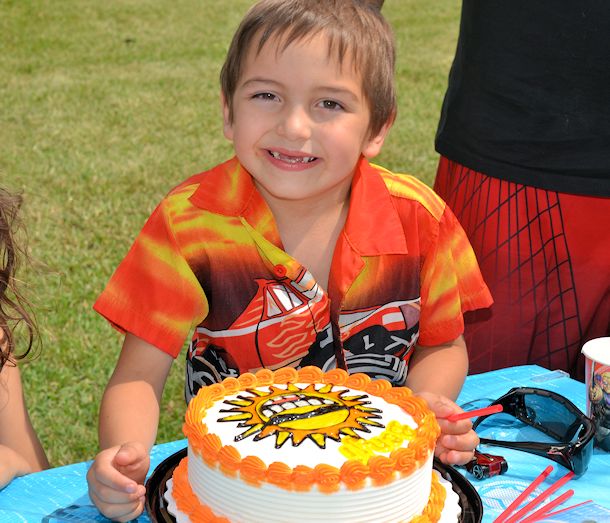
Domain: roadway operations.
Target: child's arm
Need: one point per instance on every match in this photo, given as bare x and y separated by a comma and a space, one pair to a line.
437, 374
441, 369
129, 416
20, 449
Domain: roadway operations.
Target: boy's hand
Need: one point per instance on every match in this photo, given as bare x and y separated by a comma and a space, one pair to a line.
456, 444
116, 481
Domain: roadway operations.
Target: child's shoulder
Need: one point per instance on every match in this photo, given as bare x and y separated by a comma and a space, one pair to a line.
209, 182
196, 180
407, 187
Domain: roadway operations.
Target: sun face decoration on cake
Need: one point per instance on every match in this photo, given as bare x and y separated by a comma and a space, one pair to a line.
299, 414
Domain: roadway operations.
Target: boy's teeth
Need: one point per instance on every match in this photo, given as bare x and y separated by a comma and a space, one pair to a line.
292, 159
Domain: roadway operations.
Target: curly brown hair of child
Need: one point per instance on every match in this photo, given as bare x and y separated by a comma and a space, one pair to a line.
13, 305
20, 448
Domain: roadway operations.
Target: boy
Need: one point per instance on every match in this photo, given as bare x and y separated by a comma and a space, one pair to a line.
308, 96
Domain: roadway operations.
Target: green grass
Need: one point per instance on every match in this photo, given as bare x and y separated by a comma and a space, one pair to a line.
104, 106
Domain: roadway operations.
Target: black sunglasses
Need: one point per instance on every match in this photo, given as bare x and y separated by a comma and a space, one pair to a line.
555, 416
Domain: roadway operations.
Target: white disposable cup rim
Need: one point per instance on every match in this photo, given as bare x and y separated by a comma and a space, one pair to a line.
598, 350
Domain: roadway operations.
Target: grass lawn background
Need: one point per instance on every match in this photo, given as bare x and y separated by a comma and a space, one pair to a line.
105, 106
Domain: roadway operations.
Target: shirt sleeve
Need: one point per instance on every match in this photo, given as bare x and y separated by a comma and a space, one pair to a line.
451, 283
154, 293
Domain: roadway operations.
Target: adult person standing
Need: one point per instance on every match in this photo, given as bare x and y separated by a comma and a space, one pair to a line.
524, 138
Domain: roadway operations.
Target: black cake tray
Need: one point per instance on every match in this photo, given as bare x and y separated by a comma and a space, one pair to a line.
156, 507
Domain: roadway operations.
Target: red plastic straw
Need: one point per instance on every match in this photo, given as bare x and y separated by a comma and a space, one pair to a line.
492, 409
541, 513
553, 514
519, 499
539, 499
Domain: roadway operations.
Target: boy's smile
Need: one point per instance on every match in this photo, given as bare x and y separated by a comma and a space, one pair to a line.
300, 121
284, 159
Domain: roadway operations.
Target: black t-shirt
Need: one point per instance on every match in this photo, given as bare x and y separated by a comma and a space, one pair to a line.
529, 93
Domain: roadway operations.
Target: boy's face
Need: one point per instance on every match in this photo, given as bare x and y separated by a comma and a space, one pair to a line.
300, 121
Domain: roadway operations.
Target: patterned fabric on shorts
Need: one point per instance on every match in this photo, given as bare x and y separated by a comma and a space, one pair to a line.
541, 254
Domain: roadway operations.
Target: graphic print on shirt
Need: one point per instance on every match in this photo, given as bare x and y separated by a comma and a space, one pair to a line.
287, 323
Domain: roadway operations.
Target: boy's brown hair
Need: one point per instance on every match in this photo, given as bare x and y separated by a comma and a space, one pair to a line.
353, 27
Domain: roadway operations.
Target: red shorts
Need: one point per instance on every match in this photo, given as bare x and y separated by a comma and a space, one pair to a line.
546, 259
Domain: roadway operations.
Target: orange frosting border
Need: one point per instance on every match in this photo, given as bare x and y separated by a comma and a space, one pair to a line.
353, 474
188, 502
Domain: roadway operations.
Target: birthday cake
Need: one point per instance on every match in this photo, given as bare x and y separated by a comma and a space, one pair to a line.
307, 446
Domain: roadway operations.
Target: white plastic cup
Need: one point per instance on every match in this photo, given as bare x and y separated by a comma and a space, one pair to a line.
597, 380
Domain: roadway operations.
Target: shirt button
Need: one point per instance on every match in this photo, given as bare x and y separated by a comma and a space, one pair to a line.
280, 271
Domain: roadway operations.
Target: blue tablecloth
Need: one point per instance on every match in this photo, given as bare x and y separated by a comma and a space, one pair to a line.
60, 494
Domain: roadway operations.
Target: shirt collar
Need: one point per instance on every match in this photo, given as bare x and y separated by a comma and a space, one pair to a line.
373, 226
226, 189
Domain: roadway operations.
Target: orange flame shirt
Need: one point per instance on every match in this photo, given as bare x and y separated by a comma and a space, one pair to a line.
209, 261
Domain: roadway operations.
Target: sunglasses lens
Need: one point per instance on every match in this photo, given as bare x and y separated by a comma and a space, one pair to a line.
535, 418
551, 417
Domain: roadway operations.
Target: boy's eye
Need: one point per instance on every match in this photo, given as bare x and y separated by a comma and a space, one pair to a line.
331, 104
265, 96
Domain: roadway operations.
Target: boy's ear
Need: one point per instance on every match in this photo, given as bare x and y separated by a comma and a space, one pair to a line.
374, 144
227, 126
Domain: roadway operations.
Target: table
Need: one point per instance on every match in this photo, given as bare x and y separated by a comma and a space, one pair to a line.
60, 494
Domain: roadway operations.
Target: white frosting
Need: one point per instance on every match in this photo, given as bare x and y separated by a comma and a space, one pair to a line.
243, 503
450, 514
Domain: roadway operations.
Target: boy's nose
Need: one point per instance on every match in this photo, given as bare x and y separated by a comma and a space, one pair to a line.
295, 124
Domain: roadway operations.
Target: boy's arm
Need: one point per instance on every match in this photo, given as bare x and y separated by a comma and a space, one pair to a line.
441, 369
437, 374
20, 449
129, 416
130, 405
